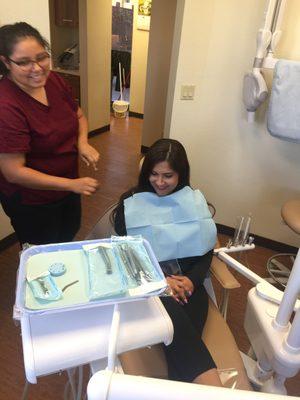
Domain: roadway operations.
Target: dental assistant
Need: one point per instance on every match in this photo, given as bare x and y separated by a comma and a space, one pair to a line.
42, 132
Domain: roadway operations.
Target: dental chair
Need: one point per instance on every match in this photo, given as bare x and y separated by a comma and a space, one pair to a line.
150, 362
272, 323
279, 266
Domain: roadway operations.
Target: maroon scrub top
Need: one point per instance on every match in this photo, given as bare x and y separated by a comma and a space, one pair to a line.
47, 135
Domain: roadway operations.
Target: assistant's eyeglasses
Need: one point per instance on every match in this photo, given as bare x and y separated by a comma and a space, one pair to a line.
26, 65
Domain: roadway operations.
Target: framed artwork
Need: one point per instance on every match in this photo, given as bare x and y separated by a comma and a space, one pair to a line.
144, 14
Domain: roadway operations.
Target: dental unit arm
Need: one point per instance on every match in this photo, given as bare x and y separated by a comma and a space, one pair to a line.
255, 90
274, 340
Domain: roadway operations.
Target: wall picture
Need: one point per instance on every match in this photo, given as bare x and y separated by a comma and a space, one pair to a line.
144, 14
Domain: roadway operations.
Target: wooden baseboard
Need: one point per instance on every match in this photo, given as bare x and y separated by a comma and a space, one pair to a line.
136, 115
260, 240
8, 241
97, 131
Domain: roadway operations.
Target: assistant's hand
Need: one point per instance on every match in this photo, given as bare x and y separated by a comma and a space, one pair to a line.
86, 186
88, 154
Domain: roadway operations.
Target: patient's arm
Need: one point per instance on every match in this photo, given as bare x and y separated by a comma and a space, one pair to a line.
199, 270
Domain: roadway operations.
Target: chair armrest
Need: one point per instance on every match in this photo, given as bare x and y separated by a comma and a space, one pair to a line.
220, 271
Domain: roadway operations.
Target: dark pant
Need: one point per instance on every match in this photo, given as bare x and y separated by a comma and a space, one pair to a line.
46, 223
187, 356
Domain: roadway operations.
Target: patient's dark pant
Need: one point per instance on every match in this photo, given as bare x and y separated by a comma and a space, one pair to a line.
187, 356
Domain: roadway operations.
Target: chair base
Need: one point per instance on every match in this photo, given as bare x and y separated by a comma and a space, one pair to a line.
279, 268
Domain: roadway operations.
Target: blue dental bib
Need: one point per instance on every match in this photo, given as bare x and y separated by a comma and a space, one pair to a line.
178, 225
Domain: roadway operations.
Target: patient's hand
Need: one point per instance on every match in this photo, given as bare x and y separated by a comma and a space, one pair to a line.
186, 282
181, 286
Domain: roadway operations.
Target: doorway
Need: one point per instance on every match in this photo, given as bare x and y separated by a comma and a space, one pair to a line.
121, 47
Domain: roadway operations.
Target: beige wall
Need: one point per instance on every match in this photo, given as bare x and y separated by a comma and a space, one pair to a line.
138, 65
173, 65
158, 69
36, 13
95, 47
239, 166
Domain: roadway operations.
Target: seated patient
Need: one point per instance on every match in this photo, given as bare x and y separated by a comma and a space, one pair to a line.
176, 221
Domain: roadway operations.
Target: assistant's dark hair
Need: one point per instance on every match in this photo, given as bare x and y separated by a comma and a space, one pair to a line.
11, 34
162, 150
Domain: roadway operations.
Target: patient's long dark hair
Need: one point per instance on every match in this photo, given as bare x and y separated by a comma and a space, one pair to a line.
11, 34
169, 150
162, 150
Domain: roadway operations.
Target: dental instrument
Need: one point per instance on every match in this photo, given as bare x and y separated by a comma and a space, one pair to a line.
236, 239
69, 284
43, 286
250, 240
105, 257
134, 259
246, 231
241, 234
130, 267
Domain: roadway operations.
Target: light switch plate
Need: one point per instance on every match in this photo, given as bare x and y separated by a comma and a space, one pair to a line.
187, 92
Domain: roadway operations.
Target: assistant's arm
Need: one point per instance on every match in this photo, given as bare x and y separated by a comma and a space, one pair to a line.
87, 153
14, 169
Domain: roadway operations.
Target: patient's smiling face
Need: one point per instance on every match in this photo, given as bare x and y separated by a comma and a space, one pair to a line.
163, 178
